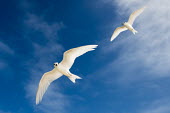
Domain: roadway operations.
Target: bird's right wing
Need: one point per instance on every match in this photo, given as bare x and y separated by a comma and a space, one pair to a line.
117, 32
45, 81
72, 54
135, 14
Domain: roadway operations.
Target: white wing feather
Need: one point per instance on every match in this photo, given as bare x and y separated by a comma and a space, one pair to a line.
45, 81
135, 14
72, 54
117, 32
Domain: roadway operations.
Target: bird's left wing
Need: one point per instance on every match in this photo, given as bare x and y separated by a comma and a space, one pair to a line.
135, 14
117, 32
72, 54
45, 81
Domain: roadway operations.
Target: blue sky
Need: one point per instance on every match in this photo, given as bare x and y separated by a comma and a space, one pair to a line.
129, 75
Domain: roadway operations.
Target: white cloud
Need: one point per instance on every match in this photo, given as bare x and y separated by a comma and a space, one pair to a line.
158, 106
39, 24
44, 57
6, 48
145, 55
53, 99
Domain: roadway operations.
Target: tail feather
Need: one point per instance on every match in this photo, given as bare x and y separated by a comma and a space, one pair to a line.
74, 77
134, 31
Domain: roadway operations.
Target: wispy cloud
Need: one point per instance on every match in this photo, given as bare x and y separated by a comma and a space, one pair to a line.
145, 55
53, 99
158, 106
44, 55
5, 48
38, 24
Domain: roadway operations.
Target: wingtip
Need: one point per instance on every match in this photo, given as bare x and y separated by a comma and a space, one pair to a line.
112, 39
93, 46
96, 46
36, 103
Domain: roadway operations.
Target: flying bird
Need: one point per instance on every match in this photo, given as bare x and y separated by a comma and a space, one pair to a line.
62, 68
128, 25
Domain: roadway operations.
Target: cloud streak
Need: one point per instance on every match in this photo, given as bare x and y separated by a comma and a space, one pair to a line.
38, 24
158, 106
5, 48
44, 55
53, 99
145, 55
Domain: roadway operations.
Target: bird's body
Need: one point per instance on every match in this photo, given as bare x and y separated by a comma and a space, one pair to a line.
62, 68
128, 25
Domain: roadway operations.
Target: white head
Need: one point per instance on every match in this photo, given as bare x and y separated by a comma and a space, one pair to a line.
55, 64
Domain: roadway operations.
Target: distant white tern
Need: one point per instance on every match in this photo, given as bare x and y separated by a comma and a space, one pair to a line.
62, 68
128, 25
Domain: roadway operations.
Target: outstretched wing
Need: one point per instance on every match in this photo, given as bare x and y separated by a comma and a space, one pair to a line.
117, 32
135, 14
45, 81
70, 55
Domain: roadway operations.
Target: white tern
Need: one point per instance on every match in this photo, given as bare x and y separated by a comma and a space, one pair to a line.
128, 25
62, 68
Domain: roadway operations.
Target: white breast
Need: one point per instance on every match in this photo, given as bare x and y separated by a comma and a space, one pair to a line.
62, 69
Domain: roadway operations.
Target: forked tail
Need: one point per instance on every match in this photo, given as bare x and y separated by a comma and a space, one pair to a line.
134, 31
74, 77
